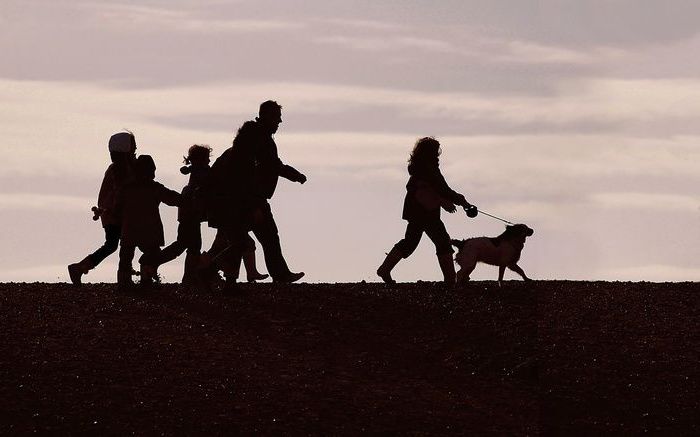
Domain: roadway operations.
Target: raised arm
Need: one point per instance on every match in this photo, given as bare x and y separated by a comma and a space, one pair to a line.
291, 173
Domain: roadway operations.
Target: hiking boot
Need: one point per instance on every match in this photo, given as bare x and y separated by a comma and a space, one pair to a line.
384, 271
447, 265
77, 270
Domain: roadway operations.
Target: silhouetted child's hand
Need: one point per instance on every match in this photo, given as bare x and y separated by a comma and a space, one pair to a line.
302, 178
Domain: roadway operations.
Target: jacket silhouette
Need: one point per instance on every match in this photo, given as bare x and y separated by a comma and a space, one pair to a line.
268, 165
426, 192
138, 206
268, 169
230, 186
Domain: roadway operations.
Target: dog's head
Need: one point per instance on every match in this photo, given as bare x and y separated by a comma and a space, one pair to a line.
517, 232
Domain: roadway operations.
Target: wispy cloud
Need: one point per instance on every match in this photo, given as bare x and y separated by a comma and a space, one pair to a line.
160, 19
647, 201
81, 118
45, 202
384, 43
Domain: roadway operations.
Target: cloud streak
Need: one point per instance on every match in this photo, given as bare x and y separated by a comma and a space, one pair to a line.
44, 202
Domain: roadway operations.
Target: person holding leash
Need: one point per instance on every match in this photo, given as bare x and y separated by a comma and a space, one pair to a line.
426, 193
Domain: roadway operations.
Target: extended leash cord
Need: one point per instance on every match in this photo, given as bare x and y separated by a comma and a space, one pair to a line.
497, 218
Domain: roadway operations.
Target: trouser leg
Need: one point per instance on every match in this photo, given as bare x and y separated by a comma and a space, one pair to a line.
265, 230
112, 235
251, 268
443, 249
229, 258
126, 257
194, 248
402, 249
148, 271
77, 270
409, 243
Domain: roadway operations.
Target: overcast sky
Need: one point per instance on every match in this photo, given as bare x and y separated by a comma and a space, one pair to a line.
577, 118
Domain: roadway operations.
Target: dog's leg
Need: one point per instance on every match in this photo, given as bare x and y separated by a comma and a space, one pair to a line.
516, 268
462, 276
466, 270
501, 271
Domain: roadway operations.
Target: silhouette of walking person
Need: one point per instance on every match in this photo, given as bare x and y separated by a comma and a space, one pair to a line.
122, 151
138, 206
230, 203
426, 192
190, 214
268, 169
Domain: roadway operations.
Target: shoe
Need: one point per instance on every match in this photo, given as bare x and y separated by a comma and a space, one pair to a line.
257, 277
77, 270
384, 271
289, 278
75, 273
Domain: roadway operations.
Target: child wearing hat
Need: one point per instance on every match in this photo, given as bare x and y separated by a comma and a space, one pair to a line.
122, 151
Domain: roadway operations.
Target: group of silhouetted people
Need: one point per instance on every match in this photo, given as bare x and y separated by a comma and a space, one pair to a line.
232, 196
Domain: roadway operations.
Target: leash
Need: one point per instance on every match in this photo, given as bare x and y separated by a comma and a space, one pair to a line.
497, 218
472, 211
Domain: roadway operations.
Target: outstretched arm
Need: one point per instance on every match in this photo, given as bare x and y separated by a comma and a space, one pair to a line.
289, 172
169, 197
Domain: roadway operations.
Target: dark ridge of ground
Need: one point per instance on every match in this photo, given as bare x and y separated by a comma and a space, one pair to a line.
543, 358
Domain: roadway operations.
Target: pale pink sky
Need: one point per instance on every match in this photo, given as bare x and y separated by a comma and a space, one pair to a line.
577, 118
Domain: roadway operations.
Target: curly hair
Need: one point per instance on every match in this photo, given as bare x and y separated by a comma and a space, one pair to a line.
197, 151
426, 148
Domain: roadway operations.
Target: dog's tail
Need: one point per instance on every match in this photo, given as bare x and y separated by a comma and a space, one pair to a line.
457, 243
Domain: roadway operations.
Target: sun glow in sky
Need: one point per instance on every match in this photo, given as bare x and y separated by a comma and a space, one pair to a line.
577, 118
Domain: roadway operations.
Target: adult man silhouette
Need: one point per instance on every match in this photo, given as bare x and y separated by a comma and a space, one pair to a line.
268, 169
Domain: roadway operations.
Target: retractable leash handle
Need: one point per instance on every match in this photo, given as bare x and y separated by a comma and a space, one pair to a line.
472, 211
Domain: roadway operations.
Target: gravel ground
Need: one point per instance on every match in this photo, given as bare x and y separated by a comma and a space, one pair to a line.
541, 358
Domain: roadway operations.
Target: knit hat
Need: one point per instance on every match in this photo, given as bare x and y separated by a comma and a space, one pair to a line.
122, 142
